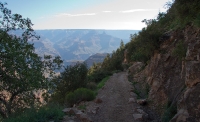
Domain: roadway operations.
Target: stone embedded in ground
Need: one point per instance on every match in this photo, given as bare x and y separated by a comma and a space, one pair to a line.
66, 110
140, 111
68, 119
145, 115
181, 116
98, 100
192, 73
135, 67
138, 116
189, 105
93, 110
70, 111
83, 117
133, 94
142, 101
79, 113
96, 108
131, 100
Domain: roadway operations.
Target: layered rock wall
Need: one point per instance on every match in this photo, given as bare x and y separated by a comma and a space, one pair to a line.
174, 81
189, 105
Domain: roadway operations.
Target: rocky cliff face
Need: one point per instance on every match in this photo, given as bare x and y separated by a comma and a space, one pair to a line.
189, 104
175, 82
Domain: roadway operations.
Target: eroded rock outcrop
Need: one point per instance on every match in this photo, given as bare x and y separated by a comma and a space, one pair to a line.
174, 81
189, 104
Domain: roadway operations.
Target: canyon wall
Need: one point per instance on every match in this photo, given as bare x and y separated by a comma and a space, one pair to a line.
173, 76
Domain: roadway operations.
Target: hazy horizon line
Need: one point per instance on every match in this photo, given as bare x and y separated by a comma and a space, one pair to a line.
86, 29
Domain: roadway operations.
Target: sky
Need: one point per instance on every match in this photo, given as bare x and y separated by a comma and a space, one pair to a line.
87, 14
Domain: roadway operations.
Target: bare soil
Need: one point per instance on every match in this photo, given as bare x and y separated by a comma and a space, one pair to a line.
115, 106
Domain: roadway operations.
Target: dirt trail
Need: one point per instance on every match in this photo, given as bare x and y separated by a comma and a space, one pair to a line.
115, 96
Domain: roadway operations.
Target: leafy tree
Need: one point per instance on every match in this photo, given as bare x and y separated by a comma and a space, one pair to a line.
72, 78
94, 67
96, 73
106, 63
21, 69
114, 62
80, 94
187, 11
122, 46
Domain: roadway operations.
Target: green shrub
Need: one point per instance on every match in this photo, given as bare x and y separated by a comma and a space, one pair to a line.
197, 20
180, 50
71, 98
141, 89
169, 113
92, 85
114, 61
187, 11
147, 89
82, 107
81, 94
98, 76
102, 83
115, 71
143, 44
72, 78
125, 66
52, 112
135, 90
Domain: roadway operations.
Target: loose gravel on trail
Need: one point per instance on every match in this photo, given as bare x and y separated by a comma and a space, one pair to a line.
115, 96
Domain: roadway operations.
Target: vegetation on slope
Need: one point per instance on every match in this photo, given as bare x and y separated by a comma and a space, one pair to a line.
51, 112
22, 71
179, 14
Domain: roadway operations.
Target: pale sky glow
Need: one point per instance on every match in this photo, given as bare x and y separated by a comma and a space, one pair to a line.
74, 15
87, 14
107, 11
137, 10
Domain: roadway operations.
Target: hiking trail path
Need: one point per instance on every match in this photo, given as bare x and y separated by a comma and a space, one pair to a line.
115, 102
118, 101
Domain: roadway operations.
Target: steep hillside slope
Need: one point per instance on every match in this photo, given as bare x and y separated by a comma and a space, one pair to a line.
173, 79
169, 47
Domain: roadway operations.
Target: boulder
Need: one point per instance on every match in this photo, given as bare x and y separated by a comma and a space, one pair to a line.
131, 100
133, 94
142, 101
136, 67
144, 114
138, 116
83, 117
181, 116
98, 100
69, 119
93, 109
140, 111
192, 73
189, 106
71, 111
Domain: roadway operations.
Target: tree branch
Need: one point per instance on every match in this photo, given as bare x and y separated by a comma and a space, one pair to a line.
3, 101
3, 114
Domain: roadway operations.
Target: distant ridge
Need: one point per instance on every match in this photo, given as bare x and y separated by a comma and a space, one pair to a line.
96, 58
78, 44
